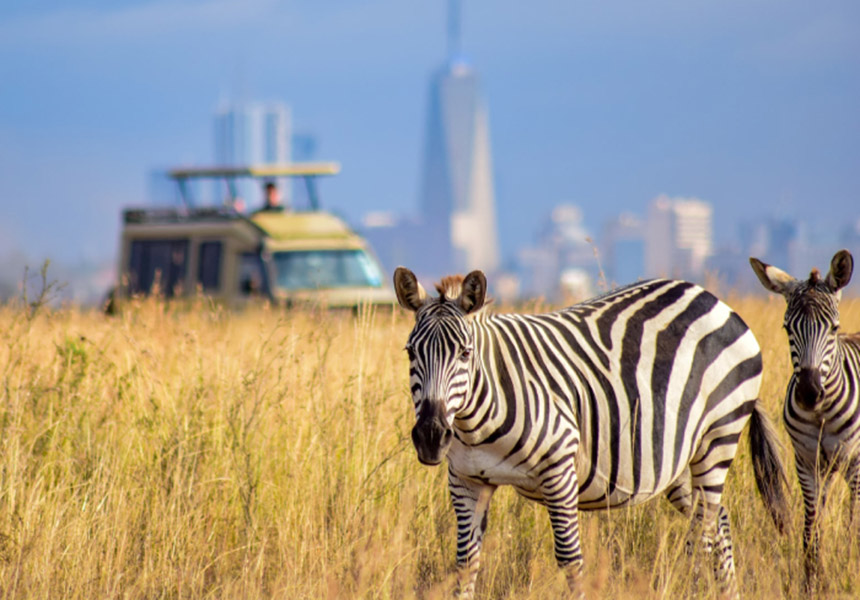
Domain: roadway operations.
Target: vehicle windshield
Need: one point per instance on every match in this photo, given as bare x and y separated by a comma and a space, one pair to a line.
316, 269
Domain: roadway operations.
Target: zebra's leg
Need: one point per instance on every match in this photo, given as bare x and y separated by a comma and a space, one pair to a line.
680, 494
813, 484
708, 471
561, 497
723, 555
709, 528
853, 477
471, 502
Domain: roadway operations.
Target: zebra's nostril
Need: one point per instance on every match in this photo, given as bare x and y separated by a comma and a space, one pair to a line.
809, 387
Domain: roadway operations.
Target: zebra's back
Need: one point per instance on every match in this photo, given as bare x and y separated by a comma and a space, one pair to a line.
646, 372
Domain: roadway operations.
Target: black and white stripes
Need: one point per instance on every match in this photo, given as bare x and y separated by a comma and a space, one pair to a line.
641, 392
822, 402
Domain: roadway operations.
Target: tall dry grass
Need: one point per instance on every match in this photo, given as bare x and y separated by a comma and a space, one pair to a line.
187, 452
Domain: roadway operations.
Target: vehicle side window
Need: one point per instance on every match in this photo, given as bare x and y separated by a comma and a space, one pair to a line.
252, 275
209, 266
162, 261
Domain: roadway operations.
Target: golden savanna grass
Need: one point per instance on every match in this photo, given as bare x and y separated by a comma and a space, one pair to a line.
187, 452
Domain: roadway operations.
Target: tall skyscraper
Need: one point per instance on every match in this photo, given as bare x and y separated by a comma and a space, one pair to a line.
624, 249
253, 133
457, 197
678, 237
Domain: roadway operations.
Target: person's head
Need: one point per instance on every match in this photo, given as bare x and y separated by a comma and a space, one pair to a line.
273, 195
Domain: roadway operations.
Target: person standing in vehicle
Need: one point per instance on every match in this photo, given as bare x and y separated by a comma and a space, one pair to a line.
272, 198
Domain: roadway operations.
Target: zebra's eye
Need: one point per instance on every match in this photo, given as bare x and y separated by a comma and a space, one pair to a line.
410, 352
835, 328
465, 354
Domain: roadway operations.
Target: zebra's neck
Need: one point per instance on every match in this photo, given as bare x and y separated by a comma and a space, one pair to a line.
500, 376
483, 410
843, 376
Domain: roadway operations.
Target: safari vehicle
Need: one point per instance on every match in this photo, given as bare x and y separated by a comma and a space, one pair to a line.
288, 257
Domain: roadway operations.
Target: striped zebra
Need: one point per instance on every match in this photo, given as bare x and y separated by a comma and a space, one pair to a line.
641, 392
822, 402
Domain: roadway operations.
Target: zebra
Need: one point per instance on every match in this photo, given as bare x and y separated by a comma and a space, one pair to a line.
640, 392
822, 401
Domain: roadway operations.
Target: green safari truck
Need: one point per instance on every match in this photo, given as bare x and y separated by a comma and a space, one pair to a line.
308, 257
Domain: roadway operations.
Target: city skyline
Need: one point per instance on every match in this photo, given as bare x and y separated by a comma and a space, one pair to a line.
672, 237
751, 107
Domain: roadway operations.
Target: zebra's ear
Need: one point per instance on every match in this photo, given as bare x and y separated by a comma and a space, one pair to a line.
773, 279
474, 292
841, 268
410, 293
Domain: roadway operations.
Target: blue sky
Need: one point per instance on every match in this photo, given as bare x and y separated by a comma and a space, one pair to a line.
750, 104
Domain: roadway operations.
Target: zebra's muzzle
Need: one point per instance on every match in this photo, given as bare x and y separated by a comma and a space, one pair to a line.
809, 389
432, 436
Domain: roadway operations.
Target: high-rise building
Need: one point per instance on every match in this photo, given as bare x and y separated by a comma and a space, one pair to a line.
678, 237
253, 133
624, 249
562, 264
781, 241
457, 197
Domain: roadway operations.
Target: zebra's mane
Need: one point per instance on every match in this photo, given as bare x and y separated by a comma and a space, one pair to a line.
450, 288
814, 276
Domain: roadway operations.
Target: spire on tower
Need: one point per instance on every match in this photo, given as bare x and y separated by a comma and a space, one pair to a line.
453, 29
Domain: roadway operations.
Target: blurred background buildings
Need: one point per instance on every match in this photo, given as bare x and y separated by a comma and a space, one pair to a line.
252, 133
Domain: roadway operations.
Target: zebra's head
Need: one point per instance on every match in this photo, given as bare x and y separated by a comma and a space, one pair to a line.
441, 361
811, 320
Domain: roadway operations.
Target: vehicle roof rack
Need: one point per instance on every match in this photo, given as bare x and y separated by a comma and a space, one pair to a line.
296, 169
307, 170
145, 215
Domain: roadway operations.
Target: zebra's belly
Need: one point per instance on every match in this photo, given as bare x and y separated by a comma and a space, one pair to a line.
480, 465
598, 494
600, 488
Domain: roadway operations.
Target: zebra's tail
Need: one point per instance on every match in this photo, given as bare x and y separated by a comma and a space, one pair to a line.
769, 470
